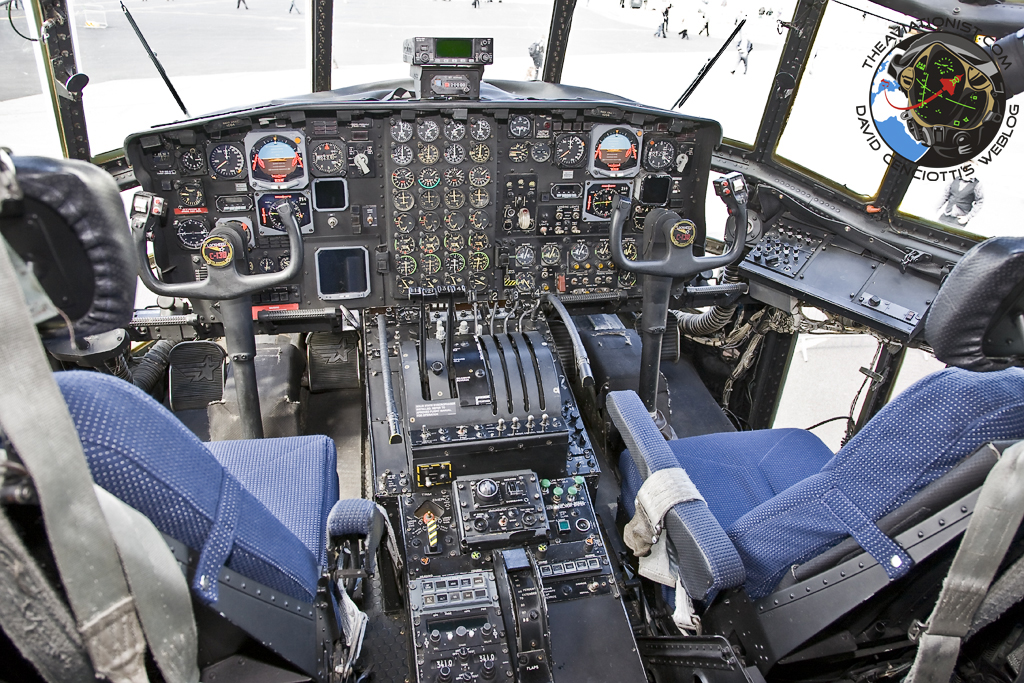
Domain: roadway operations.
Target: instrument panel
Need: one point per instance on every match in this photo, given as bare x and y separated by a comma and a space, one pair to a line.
501, 199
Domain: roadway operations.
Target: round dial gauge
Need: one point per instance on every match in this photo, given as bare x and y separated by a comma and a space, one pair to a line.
455, 262
454, 177
599, 201
428, 155
570, 151
404, 244
405, 265
525, 282
616, 150
401, 155
540, 152
403, 284
328, 158
428, 281
190, 194
454, 221
454, 130
431, 264
454, 153
429, 177
520, 126
479, 153
267, 265
427, 130
402, 178
519, 152
629, 249
454, 241
478, 281
403, 200
580, 251
602, 251
480, 129
626, 279
479, 176
284, 261
639, 215
478, 261
267, 211
403, 222
478, 241
275, 159
549, 254
192, 160
454, 198
429, 221
191, 232
401, 131
479, 197
227, 161
479, 220
525, 255
454, 280
429, 243
430, 200
659, 154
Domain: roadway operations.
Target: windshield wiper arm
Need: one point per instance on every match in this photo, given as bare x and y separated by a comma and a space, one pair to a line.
707, 67
156, 62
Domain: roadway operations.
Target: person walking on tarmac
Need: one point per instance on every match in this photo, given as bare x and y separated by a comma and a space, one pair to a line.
663, 28
743, 48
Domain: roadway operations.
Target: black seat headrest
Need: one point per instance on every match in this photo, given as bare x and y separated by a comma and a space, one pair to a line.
976, 319
73, 231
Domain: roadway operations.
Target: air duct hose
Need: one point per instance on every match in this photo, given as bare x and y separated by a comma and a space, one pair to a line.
153, 365
713, 319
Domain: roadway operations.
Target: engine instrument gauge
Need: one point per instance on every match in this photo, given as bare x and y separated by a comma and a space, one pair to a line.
454, 177
428, 154
284, 261
550, 254
616, 152
626, 278
403, 200
192, 160
406, 265
429, 281
403, 222
479, 129
275, 161
227, 161
479, 220
479, 176
479, 153
454, 241
427, 130
429, 200
429, 221
429, 177
267, 265
454, 130
454, 221
580, 252
540, 152
454, 198
429, 243
431, 264
659, 154
402, 178
190, 195
629, 249
478, 241
478, 281
570, 151
454, 280
479, 197
403, 284
602, 251
402, 155
520, 126
525, 256
267, 213
191, 232
519, 152
454, 153
401, 131
404, 244
525, 282
329, 158
479, 261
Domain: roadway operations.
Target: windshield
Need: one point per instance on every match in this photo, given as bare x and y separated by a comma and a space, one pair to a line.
25, 107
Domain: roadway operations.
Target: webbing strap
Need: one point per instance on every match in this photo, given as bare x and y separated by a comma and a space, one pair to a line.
218, 542
993, 525
159, 587
37, 422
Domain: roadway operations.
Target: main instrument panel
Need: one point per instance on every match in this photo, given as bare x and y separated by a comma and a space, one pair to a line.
504, 198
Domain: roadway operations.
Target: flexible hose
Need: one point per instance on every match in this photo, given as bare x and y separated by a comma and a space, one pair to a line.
153, 365
713, 319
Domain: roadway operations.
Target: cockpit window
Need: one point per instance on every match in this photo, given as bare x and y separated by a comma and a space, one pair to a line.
650, 51
26, 115
218, 55
831, 130
368, 36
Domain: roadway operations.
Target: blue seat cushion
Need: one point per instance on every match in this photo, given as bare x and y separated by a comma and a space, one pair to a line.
138, 451
294, 477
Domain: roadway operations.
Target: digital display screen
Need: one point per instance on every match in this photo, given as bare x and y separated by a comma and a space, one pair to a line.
343, 272
330, 194
654, 189
452, 48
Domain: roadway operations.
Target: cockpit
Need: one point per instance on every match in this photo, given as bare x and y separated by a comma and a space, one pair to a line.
514, 341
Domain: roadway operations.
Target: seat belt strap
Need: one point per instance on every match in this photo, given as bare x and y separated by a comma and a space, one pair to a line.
37, 422
994, 522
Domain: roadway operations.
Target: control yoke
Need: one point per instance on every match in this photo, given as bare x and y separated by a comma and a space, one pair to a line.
679, 234
223, 251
